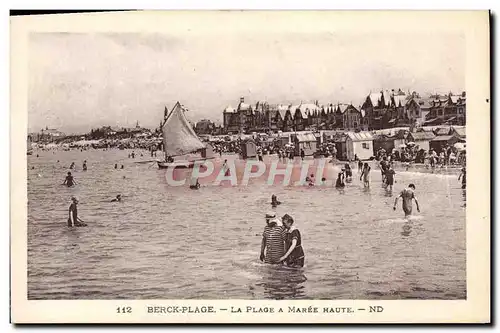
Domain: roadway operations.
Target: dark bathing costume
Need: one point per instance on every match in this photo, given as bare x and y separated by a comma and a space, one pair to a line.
296, 258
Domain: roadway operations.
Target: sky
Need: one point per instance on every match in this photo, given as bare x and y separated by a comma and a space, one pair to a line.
79, 81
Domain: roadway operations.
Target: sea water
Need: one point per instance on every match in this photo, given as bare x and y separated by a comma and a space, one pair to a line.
165, 242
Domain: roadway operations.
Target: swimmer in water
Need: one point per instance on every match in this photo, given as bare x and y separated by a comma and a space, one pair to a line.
72, 165
85, 165
116, 166
73, 219
408, 194
69, 181
121, 167
117, 199
274, 201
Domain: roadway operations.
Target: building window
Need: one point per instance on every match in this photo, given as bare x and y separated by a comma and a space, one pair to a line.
365, 145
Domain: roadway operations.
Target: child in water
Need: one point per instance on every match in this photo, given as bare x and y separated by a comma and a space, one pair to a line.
274, 201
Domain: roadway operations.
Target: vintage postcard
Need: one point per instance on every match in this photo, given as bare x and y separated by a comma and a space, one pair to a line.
250, 167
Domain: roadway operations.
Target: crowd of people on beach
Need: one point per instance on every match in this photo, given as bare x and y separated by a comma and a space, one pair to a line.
448, 156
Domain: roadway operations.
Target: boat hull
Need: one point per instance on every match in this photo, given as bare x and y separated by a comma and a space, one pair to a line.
180, 165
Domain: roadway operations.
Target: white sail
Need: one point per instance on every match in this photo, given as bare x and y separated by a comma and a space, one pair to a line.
179, 137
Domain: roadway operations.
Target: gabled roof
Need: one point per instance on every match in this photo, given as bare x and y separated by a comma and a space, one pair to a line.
342, 107
307, 137
399, 100
282, 107
375, 98
419, 136
229, 108
244, 106
387, 97
282, 113
460, 131
360, 136
442, 131
442, 138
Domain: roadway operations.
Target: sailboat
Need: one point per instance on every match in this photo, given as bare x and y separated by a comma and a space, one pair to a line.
179, 139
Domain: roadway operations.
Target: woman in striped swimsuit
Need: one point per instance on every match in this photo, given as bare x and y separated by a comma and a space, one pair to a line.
294, 256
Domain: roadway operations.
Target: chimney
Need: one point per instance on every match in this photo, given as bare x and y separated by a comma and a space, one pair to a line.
463, 93
242, 99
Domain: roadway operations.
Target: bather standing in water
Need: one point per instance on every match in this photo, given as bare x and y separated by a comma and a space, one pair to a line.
85, 165
274, 201
69, 181
73, 219
273, 240
360, 166
340, 180
365, 175
389, 177
294, 256
408, 195
348, 172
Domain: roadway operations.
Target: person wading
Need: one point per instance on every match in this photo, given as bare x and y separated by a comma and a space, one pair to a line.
69, 181
273, 240
73, 219
408, 194
294, 256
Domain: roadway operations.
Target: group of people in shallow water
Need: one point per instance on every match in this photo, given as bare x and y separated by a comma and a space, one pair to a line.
69, 181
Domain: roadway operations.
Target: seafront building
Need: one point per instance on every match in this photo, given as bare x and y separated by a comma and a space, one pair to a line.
379, 110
